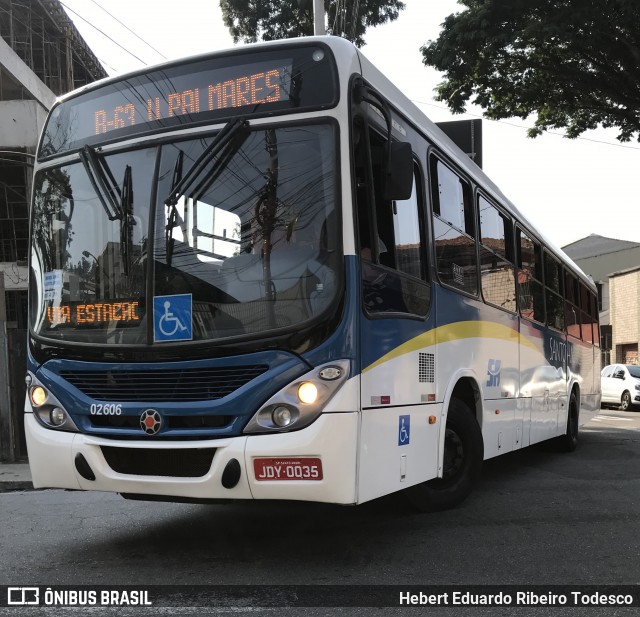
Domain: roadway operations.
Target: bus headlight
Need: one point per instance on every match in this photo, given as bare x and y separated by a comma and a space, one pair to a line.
48, 409
38, 396
308, 393
282, 416
55, 417
299, 403
58, 416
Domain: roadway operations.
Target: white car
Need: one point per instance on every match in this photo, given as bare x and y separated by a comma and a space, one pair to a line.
621, 385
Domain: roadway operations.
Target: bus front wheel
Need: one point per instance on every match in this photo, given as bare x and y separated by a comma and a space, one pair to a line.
462, 463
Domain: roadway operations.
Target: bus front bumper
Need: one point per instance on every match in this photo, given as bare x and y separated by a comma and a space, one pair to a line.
57, 460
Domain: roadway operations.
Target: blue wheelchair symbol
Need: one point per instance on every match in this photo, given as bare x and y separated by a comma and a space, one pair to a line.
404, 430
172, 318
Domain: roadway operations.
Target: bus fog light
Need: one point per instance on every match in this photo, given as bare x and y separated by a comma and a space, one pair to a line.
57, 416
38, 396
282, 416
307, 393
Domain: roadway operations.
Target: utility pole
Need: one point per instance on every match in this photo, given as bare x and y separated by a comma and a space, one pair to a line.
318, 18
6, 430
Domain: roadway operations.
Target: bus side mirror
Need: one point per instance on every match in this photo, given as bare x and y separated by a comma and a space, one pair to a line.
399, 183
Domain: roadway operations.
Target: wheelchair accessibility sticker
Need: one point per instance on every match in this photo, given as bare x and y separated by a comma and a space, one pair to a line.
172, 318
404, 430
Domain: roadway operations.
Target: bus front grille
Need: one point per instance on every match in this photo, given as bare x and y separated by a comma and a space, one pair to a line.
171, 422
175, 462
163, 385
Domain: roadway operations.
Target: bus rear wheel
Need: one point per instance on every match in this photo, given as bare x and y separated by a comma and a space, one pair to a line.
569, 441
462, 463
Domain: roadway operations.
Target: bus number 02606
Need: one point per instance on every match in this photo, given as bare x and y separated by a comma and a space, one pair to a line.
105, 409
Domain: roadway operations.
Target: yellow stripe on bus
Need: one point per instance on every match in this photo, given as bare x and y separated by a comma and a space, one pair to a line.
453, 332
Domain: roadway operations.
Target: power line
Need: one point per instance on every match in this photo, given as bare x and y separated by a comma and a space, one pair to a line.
555, 134
129, 29
103, 33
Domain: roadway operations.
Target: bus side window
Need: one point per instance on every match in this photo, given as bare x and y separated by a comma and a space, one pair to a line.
454, 229
585, 310
530, 288
496, 256
595, 319
571, 310
391, 237
553, 292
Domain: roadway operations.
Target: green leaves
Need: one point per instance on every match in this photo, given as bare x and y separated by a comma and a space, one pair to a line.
575, 64
253, 20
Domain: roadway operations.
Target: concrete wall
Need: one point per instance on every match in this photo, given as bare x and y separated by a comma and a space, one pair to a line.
15, 276
22, 74
21, 123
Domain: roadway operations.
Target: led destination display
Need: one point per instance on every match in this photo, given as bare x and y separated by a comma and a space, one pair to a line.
267, 86
96, 313
193, 92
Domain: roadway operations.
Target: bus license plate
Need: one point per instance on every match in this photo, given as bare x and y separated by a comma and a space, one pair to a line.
269, 469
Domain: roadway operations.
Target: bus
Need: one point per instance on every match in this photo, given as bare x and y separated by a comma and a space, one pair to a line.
265, 274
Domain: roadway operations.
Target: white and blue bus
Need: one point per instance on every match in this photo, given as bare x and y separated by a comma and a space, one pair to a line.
265, 274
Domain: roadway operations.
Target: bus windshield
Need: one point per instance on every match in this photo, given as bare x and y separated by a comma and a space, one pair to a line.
246, 228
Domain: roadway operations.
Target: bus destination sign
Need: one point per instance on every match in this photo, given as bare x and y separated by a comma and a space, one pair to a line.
205, 92
176, 96
94, 314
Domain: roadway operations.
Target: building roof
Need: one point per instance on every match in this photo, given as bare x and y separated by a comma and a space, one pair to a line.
625, 271
595, 245
43, 36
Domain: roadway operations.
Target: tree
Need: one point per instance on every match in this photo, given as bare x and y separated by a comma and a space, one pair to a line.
250, 20
573, 63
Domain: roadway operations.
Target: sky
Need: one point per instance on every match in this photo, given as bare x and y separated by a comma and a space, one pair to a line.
569, 189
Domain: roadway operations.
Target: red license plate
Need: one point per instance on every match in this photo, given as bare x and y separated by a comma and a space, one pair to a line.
298, 468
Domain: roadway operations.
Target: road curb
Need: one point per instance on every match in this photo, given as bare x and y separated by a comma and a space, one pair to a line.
7, 486
15, 477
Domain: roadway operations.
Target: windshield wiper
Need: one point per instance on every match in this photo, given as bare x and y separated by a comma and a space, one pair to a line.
117, 203
233, 129
103, 183
214, 160
126, 231
172, 219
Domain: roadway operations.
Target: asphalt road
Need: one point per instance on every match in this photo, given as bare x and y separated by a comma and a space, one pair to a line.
537, 517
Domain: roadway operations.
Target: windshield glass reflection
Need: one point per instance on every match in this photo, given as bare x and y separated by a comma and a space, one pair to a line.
89, 267
254, 236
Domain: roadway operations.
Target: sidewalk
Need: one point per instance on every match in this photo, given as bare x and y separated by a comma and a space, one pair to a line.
15, 477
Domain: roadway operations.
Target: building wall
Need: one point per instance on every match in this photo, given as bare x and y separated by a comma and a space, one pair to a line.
624, 292
21, 124
599, 257
41, 55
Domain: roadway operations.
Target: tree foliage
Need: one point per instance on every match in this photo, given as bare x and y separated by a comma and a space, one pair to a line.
267, 20
575, 64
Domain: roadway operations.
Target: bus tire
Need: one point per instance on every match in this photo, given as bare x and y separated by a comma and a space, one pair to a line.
462, 463
569, 441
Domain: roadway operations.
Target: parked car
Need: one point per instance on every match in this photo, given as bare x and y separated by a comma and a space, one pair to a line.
621, 385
